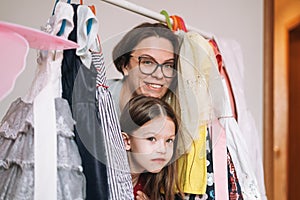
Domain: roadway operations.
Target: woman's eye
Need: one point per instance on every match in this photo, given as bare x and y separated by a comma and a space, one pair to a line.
152, 139
147, 62
169, 65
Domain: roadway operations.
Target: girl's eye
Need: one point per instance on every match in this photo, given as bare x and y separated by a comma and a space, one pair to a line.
152, 139
170, 140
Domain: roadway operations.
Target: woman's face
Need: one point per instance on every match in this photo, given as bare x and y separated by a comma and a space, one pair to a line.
155, 84
151, 146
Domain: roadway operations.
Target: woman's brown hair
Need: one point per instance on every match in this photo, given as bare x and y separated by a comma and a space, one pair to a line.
122, 51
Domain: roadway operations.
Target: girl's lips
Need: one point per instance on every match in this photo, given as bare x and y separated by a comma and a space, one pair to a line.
160, 160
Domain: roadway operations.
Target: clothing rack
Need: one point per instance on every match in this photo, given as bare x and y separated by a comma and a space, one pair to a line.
150, 14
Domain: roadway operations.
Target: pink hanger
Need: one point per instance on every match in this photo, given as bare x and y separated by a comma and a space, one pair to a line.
15, 41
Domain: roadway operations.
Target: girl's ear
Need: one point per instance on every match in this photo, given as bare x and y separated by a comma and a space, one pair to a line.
126, 140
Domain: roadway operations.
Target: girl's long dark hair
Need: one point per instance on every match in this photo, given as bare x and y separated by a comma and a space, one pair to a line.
139, 110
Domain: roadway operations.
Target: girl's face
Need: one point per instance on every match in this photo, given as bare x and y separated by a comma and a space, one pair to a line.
155, 85
151, 146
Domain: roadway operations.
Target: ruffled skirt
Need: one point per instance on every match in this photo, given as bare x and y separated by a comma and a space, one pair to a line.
17, 153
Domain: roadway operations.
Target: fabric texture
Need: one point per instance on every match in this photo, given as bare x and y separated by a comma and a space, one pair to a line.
210, 187
118, 170
238, 160
97, 128
199, 84
236, 142
233, 62
17, 131
139, 186
192, 171
235, 192
93, 169
17, 157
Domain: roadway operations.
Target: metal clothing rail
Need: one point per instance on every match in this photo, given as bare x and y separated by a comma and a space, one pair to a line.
150, 14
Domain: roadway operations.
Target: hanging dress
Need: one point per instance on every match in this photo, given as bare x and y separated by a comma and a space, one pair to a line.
233, 64
197, 75
94, 170
200, 75
237, 145
17, 131
97, 131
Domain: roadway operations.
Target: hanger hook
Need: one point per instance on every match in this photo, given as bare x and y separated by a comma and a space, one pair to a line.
165, 13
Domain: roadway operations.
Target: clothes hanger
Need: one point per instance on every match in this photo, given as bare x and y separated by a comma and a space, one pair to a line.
124, 4
90, 21
165, 13
181, 23
178, 23
63, 25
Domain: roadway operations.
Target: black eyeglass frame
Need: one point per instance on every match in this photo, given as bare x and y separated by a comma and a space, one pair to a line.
157, 65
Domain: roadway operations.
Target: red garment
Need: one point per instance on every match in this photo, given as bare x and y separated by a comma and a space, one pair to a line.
235, 192
138, 187
224, 74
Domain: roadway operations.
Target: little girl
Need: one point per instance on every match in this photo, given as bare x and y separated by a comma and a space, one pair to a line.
149, 129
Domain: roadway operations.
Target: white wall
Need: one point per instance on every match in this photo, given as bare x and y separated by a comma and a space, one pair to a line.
235, 19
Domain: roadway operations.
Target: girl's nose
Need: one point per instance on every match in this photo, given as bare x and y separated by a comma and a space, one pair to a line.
161, 147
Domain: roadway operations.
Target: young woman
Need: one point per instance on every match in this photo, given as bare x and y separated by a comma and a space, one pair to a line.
150, 129
147, 57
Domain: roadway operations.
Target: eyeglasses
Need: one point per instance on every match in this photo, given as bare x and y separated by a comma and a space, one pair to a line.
149, 65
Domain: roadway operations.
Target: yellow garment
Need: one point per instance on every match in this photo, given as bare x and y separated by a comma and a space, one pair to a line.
192, 166
199, 90
200, 97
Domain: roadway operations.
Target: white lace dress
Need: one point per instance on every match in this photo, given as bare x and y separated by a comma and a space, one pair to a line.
17, 129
